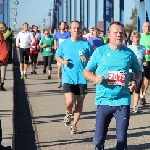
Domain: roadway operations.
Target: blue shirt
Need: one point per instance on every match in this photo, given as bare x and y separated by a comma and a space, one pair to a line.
61, 37
96, 41
73, 73
103, 60
140, 52
38, 35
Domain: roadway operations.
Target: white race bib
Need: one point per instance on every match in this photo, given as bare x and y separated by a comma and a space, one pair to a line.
116, 78
24, 43
48, 49
33, 47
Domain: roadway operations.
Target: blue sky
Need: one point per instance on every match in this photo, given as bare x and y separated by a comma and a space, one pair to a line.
33, 11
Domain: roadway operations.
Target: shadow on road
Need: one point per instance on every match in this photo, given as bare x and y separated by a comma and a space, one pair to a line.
24, 134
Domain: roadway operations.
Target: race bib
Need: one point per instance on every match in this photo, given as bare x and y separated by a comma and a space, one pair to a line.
24, 43
116, 78
48, 49
147, 52
61, 40
33, 47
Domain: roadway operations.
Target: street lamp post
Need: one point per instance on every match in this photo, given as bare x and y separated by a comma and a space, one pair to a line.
49, 14
15, 2
14, 22
44, 23
15, 13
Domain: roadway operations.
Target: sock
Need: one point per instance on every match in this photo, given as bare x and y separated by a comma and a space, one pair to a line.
59, 80
144, 95
21, 72
141, 96
24, 72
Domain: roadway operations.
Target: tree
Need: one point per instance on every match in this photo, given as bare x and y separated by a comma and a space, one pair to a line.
133, 24
133, 17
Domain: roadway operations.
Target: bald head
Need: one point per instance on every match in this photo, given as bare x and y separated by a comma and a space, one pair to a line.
146, 27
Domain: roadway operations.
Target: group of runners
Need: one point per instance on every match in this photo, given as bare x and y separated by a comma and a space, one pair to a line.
117, 70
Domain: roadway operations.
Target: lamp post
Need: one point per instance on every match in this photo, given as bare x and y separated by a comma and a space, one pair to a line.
49, 14
44, 23
16, 2
14, 22
15, 13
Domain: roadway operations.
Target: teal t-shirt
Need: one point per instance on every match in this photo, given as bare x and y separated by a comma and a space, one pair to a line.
113, 64
73, 73
47, 51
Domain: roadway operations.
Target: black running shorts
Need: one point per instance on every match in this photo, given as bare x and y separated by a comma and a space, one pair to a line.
147, 70
78, 89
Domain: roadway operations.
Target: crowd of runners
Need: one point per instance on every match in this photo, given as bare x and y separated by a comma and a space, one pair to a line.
118, 66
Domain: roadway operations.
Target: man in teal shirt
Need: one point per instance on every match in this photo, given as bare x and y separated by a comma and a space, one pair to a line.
111, 63
73, 54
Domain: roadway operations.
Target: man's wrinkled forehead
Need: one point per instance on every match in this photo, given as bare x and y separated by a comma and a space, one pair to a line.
116, 28
146, 24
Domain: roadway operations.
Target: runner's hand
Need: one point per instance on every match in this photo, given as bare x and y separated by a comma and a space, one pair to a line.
38, 47
132, 86
145, 63
99, 79
18, 46
65, 62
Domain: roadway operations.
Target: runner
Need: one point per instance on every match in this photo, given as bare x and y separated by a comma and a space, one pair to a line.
37, 36
140, 52
73, 54
90, 34
3, 55
34, 50
145, 41
102, 35
46, 44
111, 63
23, 41
59, 37
96, 41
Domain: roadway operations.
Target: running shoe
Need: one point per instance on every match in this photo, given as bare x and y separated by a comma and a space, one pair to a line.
49, 77
73, 129
25, 76
34, 72
2, 87
44, 71
22, 76
67, 119
102, 148
135, 109
60, 85
142, 101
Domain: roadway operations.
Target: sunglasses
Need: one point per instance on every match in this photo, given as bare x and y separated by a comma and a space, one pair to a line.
46, 33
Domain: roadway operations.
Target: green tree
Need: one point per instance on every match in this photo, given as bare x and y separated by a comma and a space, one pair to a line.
133, 17
133, 24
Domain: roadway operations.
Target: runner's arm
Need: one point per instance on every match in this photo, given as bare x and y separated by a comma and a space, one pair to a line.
138, 76
55, 45
17, 40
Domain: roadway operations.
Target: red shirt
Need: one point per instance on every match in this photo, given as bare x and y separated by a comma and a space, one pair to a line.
33, 48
